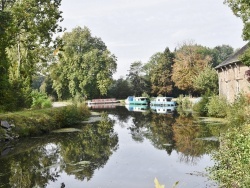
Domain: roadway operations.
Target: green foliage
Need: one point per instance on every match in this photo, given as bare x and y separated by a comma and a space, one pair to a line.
120, 89
207, 81
85, 65
231, 168
40, 100
238, 112
26, 35
220, 54
201, 107
245, 58
160, 69
184, 102
137, 79
35, 122
217, 106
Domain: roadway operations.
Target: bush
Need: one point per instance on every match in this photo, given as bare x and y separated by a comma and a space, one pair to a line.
238, 113
201, 106
231, 168
184, 103
217, 106
40, 100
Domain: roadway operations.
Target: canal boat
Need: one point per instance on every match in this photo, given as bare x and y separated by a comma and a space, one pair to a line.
131, 100
163, 101
103, 101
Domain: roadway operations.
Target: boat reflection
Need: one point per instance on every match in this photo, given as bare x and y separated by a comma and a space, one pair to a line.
137, 108
163, 109
103, 106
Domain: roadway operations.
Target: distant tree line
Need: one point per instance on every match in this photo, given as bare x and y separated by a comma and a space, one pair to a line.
189, 70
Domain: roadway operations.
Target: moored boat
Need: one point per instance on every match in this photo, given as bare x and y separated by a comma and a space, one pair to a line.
137, 100
103, 101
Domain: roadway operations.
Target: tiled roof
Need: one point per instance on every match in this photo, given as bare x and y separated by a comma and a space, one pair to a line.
234, 57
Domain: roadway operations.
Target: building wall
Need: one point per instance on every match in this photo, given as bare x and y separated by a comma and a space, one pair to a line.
232, 81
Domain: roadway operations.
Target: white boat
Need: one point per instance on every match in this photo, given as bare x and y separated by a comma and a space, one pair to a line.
163, 101
137, 100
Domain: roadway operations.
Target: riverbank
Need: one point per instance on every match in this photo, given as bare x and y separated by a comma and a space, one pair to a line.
36, 122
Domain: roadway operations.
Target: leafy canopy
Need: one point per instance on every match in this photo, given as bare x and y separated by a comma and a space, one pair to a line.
85, 65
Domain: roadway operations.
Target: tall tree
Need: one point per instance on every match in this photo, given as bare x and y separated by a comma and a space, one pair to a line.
137, 78
5, 41
85, 66
31, 25
189, 62
160, 72
35, 23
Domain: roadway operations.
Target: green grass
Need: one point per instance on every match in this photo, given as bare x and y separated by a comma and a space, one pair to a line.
36, 122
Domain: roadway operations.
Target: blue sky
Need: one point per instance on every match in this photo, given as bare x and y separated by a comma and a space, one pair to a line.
134, 30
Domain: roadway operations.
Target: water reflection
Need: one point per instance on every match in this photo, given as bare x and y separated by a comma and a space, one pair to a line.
35, 162
39, 162
188, 138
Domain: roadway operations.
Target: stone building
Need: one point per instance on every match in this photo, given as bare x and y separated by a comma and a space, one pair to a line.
232, 77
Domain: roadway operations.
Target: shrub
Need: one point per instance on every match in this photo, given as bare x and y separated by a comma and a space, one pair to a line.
231, 168
40, 100
201, 106
217, 106
238, 112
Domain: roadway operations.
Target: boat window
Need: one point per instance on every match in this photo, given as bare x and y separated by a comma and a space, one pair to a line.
163, 99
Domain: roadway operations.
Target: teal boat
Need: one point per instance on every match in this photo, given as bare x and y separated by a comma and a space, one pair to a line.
137, 100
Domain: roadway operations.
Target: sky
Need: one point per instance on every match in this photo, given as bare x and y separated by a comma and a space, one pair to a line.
134, 30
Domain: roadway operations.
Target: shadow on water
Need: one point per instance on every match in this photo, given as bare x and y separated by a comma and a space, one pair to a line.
37, 161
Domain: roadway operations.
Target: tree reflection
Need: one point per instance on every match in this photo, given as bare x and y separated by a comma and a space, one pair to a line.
139, 126
78, 154
188, 137
161, 133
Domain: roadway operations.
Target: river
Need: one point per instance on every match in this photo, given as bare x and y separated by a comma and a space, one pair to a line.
125, 149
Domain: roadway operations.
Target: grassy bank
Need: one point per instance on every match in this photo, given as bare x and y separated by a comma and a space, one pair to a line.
36, 122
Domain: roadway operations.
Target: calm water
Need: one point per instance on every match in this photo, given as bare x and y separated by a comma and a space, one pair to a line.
126, 149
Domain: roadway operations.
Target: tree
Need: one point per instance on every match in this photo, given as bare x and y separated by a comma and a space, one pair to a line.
188, 63
27, 29
160, 72
207, 81
120, 89
221, 53
241, 8
5, 41
137, 78
85, 66
35, 23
